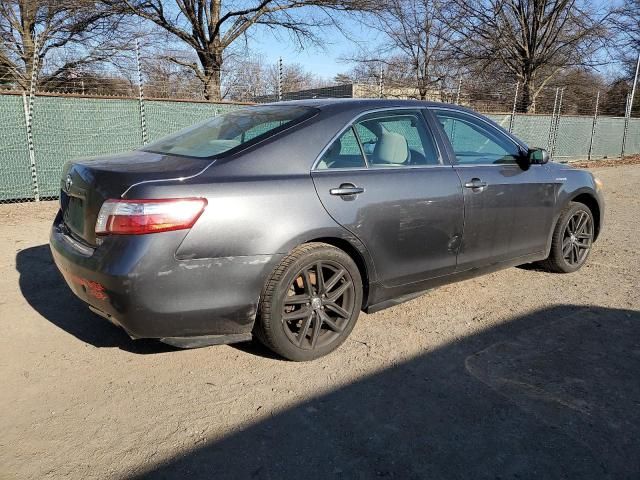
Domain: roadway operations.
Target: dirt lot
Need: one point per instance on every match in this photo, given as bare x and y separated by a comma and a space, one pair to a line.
519, 374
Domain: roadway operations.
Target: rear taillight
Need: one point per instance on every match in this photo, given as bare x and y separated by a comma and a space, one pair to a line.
137, 217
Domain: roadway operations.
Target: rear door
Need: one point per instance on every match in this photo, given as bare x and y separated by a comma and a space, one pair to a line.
384, 180
508, 206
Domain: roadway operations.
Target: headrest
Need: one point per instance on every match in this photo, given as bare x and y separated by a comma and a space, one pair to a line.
391, 147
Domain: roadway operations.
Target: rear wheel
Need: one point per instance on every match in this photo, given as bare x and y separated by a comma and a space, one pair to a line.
311, 302
572, 239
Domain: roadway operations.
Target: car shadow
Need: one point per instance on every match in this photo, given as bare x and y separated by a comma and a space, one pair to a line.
551, 394
532, 267
254, 347
46, 291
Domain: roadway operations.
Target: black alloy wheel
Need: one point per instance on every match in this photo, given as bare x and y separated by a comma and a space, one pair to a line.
311, 302
572, 239
577, 238
318, 305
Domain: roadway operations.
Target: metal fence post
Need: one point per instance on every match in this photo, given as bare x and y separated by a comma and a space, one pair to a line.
280, 79
553, 118
630, 106
635, 84
593, 127
143, 119
627, 115
513, 111
458, 92
557, 123
28, 113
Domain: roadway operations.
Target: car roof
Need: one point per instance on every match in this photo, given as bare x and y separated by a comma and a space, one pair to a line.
357, 106
363, 103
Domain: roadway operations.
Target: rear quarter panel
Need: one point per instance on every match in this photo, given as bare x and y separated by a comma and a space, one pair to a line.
249, 216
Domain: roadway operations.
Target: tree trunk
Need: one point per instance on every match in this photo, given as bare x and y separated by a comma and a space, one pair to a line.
27, 33
211, 86
212, 66
527, 102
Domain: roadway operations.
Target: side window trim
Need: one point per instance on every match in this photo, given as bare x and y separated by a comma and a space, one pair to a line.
418, 110
445, 151
433, 111
359, 140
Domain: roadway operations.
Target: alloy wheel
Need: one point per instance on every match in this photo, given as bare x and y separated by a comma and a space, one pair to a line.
577, 238
319, 304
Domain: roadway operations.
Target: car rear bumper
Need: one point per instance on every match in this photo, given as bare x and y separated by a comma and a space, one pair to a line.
136, 282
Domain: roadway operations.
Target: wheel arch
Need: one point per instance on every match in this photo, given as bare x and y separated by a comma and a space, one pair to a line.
590, 202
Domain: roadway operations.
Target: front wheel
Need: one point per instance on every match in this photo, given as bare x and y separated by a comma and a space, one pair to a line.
572, 239
311, 302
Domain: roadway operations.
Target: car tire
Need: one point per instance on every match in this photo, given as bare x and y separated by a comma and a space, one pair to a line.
303, 315
572, 239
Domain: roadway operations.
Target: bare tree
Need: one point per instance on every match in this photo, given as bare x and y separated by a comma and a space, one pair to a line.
393, 72
414, 46
626, 24
71, 35
165, 79
626, 48
211, 27
342, 79
614, 101
294, 78
246, 77
533, 40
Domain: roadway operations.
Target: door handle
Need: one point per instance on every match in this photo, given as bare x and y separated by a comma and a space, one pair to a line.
476, 184
346, 189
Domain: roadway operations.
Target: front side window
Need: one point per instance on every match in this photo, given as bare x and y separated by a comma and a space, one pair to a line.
476, 143
229, 130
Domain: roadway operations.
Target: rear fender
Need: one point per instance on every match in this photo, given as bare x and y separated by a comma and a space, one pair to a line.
255, 216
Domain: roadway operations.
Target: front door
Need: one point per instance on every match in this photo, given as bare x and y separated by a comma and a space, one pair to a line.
384, 180
508, 206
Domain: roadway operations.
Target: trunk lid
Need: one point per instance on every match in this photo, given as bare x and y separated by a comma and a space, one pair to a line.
86, 184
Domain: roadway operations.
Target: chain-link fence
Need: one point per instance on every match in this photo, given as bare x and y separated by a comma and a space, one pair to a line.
63, 128
56, 121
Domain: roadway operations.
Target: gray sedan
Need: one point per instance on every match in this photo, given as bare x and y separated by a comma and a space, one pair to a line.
284, 221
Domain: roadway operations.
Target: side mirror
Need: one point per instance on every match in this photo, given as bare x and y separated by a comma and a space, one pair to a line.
537, 156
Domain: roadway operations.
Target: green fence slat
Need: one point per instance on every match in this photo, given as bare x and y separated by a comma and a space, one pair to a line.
572, 137
164, 118
68, 128
532, 129
15, 171
607, 141
65, 128
633, 136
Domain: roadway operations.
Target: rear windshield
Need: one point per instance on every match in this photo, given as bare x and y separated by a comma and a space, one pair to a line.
230, 130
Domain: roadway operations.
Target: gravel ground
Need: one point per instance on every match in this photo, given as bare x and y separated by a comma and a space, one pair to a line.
518, 374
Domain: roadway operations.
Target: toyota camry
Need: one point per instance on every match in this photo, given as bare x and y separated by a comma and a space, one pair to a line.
284, 221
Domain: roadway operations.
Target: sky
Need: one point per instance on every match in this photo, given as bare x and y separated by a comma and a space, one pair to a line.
329, 60
326, 61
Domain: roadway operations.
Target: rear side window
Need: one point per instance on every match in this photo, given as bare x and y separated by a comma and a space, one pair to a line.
345, 152
230, 130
